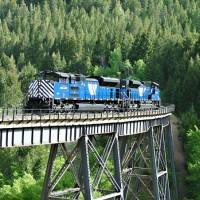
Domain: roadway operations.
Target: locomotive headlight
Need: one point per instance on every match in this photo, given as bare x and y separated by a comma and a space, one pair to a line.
39, 82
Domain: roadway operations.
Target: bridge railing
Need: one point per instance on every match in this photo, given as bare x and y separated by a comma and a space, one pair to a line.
21, 114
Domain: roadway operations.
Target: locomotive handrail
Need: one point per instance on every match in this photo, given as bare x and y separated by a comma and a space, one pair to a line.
9, 115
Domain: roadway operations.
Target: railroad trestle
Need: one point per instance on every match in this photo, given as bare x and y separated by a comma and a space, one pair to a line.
106, 156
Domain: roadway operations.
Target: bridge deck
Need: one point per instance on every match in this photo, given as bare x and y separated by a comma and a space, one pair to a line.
18, 129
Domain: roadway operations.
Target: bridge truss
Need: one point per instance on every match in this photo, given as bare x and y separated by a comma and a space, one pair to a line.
114, 156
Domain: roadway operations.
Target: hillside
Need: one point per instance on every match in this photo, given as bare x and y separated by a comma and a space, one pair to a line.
145, 40
157, 40
179, 156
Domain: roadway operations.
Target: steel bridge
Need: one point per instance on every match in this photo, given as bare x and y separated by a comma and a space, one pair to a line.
132, 151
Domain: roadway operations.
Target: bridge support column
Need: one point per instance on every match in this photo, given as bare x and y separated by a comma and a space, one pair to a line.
85, 167
117, 166
144, 165
47, 179
106, 158
105, 166
159, 163
97, 170
53, 177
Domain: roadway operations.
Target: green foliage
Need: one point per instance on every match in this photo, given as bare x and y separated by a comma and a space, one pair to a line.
105, 182
191, 142
9, 84
107, 38
193, 162
26, 76
59, 63
115, 61
188, 120
145, 40
23, 188
1, 180
140, 69
22, 172
16, 161
117, 67
67, 180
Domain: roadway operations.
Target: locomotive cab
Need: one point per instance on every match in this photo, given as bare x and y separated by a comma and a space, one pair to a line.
154, 87
54, 76
80, 77
134, 84
152, 92
155, 94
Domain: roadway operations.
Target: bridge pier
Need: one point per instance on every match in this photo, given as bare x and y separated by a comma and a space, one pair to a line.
47, 179
159, 163
131, 166
86, 167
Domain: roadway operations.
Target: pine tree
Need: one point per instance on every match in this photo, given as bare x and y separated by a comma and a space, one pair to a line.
27, 74
10, 85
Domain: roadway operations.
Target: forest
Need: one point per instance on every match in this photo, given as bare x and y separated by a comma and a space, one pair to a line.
156, 40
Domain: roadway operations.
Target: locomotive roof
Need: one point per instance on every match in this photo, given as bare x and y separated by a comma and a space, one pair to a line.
135, 82
80, 75
60, 74
106, 79
91, 79
155, 83
63, 74
113, 80
148, 83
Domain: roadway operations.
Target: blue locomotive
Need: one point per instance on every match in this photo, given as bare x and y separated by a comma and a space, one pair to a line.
58, 91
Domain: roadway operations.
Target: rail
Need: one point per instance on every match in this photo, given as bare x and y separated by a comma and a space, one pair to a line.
9, 115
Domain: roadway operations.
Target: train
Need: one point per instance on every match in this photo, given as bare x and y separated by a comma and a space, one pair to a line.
66, 92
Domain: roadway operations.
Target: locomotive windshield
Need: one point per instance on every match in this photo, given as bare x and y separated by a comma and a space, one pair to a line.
54, 76
51, 77
47, 76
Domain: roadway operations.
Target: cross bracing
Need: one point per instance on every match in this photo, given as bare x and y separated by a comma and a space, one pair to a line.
133, 159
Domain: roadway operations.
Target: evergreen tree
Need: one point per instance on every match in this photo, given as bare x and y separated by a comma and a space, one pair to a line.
59, 63
9, 84
26, 76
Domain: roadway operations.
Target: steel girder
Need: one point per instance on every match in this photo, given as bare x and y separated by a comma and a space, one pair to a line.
87, 157
111, 167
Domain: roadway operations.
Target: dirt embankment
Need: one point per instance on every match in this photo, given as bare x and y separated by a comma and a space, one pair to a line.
179, 158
